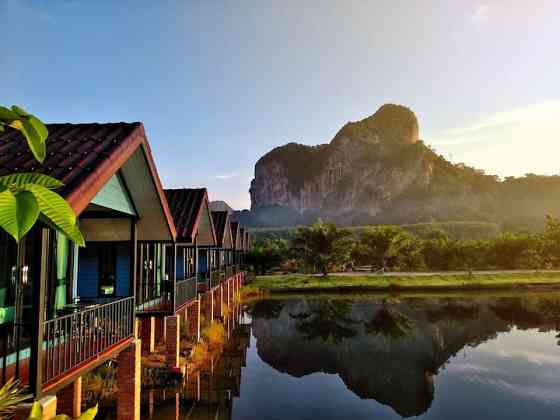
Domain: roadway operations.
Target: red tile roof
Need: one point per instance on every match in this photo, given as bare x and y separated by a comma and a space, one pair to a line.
186, 206
83, 156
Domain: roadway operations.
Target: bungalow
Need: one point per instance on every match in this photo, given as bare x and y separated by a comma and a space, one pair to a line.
196, 236
65, 310
222, 223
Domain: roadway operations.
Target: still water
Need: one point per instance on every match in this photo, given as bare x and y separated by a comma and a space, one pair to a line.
339, 357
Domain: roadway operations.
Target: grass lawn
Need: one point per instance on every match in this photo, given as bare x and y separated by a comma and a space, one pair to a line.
308, 283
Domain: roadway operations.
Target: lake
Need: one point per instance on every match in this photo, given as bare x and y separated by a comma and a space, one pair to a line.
474, 356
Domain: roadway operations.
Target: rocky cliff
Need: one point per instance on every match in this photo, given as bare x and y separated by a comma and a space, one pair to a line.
377, 170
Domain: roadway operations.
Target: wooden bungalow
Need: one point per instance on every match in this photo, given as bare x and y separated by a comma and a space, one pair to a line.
63, 309
224, 243
196, 236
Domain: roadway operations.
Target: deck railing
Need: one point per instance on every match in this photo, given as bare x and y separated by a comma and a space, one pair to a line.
74, 339
185, 290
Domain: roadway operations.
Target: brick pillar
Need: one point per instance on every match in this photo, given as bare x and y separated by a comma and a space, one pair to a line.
148, 335
228, 289
129, 382
217, 309
70, 399
193, 320
172, 341
222, 303
160, 329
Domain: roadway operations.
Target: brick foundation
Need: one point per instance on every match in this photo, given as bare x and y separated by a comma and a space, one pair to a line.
70, 399
160, 330
192, 318
172, 341
147, 335
129, 382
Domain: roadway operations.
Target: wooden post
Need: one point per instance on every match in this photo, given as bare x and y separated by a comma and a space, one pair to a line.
174, 274
133, 260
39, 294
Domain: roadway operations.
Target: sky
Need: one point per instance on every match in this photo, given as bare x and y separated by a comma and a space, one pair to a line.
218, 84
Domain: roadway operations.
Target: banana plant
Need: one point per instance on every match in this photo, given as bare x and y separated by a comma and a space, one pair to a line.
11, 395
37, 413
28, 197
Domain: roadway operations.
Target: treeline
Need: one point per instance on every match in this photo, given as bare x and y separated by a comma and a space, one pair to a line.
324, 247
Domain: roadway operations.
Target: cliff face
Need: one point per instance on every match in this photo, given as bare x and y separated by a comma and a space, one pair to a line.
365, 168
378, 171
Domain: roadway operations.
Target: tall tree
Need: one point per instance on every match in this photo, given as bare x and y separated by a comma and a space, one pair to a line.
267, 255
386, 246
323, 246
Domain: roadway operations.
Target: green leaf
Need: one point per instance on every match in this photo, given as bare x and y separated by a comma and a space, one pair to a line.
2, 128
39, 127
22, 178
57, 211
19, 111
73, 233
7, 114
34, 140
61, 417
27, 212
8, 214
89, 414
18, 213
36, 410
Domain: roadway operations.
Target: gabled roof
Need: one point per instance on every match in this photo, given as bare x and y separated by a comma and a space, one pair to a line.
188, 207
84, 157
223, 235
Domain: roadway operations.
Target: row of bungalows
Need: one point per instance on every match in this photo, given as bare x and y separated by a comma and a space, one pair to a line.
149, 252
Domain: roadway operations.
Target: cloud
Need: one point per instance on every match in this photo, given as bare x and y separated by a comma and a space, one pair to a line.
512, 142
225, 176
480, 13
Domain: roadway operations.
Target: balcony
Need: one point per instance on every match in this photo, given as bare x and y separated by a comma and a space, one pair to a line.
73, 340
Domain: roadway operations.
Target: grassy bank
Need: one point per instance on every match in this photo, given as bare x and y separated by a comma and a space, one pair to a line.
309, 283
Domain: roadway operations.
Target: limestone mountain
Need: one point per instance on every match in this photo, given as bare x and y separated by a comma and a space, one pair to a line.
377, 170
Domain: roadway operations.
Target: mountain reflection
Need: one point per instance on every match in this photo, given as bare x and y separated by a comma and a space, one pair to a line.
388, 350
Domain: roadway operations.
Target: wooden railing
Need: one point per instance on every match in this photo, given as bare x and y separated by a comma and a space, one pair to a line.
185, 290
74, 339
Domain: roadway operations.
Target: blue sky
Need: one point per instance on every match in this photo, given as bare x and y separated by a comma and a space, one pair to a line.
218, 84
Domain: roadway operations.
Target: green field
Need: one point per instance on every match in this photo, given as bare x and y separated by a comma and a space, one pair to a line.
311, 283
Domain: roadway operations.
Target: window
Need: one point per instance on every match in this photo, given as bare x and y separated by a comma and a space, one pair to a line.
107, 270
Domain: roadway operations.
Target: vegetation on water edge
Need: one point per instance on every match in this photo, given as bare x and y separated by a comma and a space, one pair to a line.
324, 247
303, 282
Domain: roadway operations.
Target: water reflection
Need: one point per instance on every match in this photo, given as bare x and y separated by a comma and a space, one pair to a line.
206, 393
474, 356
390, 350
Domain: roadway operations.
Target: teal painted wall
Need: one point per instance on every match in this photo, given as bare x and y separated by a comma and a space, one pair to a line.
113, 196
